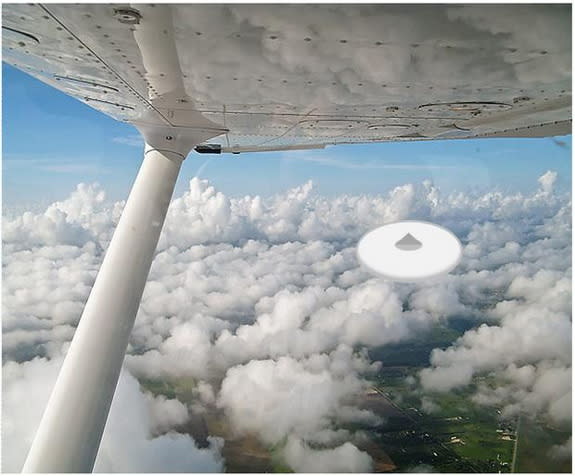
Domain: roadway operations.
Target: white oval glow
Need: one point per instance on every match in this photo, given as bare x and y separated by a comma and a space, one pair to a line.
384, 251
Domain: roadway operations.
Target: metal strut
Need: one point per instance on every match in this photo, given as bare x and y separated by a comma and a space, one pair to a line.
69, 434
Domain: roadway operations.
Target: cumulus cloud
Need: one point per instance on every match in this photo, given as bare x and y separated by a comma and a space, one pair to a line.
342, 459
429, 406
30, 382
128, 447
547, 181
132, 140
127, 444
563, 451
165, 413
263, 303
528, 346
288, 397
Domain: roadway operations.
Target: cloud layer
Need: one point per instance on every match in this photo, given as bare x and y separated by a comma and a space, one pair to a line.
262, 302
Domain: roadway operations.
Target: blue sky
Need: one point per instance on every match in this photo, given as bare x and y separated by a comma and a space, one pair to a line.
51, 142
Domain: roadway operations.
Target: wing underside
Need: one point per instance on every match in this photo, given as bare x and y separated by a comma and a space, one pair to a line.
278, 76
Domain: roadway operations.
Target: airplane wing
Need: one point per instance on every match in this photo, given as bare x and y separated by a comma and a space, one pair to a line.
296, 76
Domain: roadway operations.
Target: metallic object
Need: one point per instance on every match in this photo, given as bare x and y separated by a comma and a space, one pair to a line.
69, 434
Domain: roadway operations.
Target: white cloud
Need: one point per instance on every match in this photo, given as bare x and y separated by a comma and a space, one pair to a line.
355, 165
30, 382
76, 168
286, 397
528, 343
132, 140
342, 459
165, 413
127, 445
262, 300
562, 451
547, 182
59, 165
429, 406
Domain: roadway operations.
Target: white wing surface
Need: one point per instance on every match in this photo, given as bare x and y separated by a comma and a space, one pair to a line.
297, 75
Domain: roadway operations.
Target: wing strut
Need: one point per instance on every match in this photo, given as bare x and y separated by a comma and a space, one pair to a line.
69, 434
72, 425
